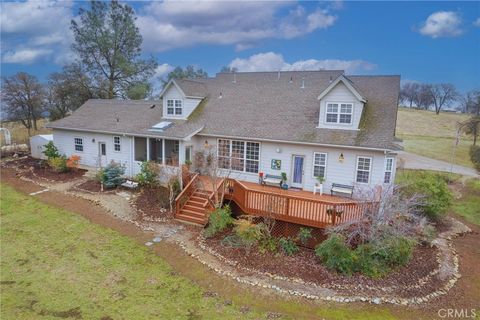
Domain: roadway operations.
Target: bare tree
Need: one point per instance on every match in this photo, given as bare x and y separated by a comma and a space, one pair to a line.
471, 102
409, 93
471, 127
442, 95
423, 99
23, 97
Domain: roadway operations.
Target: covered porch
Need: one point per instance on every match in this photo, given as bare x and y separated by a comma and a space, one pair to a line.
162, 151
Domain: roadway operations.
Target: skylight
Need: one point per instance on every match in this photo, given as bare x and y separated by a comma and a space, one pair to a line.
161, 126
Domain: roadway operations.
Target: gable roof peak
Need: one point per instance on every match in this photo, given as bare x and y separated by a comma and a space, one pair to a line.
347, 82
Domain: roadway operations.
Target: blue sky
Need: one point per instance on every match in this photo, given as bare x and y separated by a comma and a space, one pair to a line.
422, 41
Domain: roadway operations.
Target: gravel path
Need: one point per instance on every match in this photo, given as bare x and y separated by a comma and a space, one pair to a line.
415, 161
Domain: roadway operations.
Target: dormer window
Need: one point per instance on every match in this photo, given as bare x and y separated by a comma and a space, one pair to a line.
174, 107
340, 113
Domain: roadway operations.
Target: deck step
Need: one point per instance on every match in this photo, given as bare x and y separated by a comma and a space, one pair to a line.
194, 219
194, 208
195, 203
192, 213
198, 199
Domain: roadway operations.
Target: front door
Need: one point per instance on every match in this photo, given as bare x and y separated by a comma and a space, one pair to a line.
102, 154
297, 171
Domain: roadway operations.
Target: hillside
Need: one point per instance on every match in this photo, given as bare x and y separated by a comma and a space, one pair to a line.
433, 136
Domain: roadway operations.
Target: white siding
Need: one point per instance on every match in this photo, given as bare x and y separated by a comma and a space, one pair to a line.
188, 104
340, 93
336, 171
64, 141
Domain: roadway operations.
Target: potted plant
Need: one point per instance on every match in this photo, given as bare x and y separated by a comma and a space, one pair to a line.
283, 184
319, 185
320, 181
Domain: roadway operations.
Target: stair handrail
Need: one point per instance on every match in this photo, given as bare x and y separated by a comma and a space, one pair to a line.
187, 188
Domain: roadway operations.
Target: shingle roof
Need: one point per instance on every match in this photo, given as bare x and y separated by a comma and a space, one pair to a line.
256, 105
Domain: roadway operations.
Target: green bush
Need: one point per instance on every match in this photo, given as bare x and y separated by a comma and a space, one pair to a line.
394, 251
288, 246
304, 234
112, 175
51, 151
475, 156
435, 190
58, 164
148, 175
367, 263
336, 255
268, 243
218, 221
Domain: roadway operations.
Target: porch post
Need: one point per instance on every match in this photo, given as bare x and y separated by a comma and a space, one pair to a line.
163, 151
181, 153
148, 149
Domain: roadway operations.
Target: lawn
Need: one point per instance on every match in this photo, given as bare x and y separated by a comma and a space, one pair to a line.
433, 136
20, 133
468, 206
56, 264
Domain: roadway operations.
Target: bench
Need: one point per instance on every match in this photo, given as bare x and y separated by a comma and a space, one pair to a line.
130, 184
271, 179
341, 189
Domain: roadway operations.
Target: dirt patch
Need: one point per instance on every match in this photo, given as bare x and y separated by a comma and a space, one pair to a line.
92, 186
306, 266
74, 313
153, 203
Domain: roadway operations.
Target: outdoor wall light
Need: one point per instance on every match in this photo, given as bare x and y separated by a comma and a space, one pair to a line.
279, 150
93, 140
341, 158
205, 144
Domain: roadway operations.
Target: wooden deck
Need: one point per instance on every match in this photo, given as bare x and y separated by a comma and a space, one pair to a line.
295, 206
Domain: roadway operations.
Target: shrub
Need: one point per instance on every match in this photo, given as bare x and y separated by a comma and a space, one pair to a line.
249, 232
112, 175
434, 189
268, 243
58, 164
288, 246
367, 263
219, 220
394, 251
51, 151
475, 156
335, 254
73, 161
148, 175
304, 234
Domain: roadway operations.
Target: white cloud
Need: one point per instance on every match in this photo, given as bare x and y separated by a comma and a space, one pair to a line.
34, 30
271, 61
161, 73
25, 56
173, 24
476, 23
442, 24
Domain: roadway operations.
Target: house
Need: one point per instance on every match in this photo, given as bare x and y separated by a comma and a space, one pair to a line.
303, 123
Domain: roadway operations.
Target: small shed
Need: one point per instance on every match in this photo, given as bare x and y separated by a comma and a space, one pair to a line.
37, 145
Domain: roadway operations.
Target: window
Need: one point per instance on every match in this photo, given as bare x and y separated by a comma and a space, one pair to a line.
116, 144
174, 107
319, 164
140, 148
364, 165
188, 154
339, 113
388, 170
78, 144
238, 155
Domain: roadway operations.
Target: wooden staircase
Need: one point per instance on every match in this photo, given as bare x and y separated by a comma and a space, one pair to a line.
195, 208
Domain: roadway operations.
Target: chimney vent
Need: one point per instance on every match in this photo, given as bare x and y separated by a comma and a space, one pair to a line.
234, 77
303, 83
220, 96
278, 75
291, 80
331, 79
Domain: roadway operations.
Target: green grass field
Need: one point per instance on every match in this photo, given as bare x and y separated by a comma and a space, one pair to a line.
56, 264
468, 206
433, 136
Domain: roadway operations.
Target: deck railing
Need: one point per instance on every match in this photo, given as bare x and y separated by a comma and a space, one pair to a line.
284, 206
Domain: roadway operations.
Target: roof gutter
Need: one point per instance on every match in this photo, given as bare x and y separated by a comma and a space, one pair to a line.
119, 133
385, 150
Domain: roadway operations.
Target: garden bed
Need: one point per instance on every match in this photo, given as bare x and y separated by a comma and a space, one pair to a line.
93, 186
153, 203
306, 266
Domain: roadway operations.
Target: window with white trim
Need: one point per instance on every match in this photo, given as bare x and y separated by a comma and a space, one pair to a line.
117, 144
341, 113
78, 144
319, 164
174, 107
364, 166
388, 170
238, 155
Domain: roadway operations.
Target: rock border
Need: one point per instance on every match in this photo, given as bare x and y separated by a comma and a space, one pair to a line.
447, 256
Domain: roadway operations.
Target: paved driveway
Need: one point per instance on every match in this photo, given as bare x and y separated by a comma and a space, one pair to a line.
414, 161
